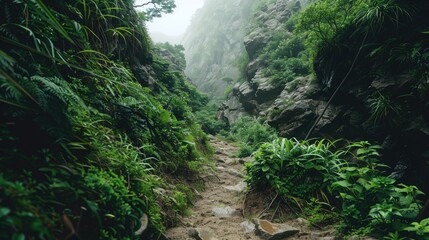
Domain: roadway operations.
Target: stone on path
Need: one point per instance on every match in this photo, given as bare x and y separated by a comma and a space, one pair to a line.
202, 234
232, 171
223, 212
244, 160
272, 231
239, 188
248, 226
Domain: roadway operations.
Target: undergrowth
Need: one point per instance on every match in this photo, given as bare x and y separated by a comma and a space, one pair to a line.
94, 123
329, 184
250, 134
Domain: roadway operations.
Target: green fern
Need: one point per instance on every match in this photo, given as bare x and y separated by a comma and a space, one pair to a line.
58, 88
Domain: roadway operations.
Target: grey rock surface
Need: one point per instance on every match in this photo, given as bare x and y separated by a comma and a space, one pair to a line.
272, 231
223, 212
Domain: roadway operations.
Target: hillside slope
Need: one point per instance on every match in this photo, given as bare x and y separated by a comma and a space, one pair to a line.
92, 123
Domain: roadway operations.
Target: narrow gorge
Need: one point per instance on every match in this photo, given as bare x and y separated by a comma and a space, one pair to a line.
273, 119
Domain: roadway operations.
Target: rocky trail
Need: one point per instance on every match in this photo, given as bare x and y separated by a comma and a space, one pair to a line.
225, 211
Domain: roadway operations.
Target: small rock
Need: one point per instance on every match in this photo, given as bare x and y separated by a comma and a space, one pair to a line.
221, 160
223, 212
235, 172
198, 194
271, 231
220, 168
144, 221
218, 152
230, 161
248, 226
302, 221
202, 234
244, 160
240, 187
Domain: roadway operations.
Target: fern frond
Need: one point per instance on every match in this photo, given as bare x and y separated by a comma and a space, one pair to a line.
59, 88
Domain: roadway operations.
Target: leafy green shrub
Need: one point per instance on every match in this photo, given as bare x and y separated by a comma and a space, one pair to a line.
206, 117
370, 201
286, 58
113, 202
382, 107
421, 229
250, 133
245, 150
320, 213
294, 169
17, 217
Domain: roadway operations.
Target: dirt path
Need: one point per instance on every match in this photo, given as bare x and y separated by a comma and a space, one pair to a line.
217, 215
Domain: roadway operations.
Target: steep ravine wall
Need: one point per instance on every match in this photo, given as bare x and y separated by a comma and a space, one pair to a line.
293, 108
214, 44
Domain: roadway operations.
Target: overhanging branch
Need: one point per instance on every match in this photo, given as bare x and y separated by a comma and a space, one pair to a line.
143, 4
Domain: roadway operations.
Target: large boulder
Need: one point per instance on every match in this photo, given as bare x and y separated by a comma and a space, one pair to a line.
272, 231
231, 110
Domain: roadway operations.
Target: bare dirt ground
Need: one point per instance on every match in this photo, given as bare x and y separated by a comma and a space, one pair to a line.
225, 209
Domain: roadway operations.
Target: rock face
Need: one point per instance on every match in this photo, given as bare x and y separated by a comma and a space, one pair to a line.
293, 108
214, 44
258, 93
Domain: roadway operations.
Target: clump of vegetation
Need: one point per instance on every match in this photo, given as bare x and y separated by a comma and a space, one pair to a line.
206, 117
286, 58
315, 173
286, 164
250, 133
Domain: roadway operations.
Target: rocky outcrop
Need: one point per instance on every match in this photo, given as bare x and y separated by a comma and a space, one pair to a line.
251, 97
385, 109
256, 95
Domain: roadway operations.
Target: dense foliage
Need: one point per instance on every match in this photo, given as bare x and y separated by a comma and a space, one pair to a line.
250, 134
155, 8
285, 56
206, 117
91, 121
370, 201
377, 58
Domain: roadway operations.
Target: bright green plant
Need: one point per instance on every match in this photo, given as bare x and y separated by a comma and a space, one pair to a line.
250, 134
421, 229
320, 213
302, 171
286, 58
285, 164
370, 199
382, 107
394, 236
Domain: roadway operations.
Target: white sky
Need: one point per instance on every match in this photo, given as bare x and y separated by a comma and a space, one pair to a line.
175, 23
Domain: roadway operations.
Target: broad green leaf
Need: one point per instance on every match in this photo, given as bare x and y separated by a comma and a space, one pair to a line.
265, 168
4, 212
